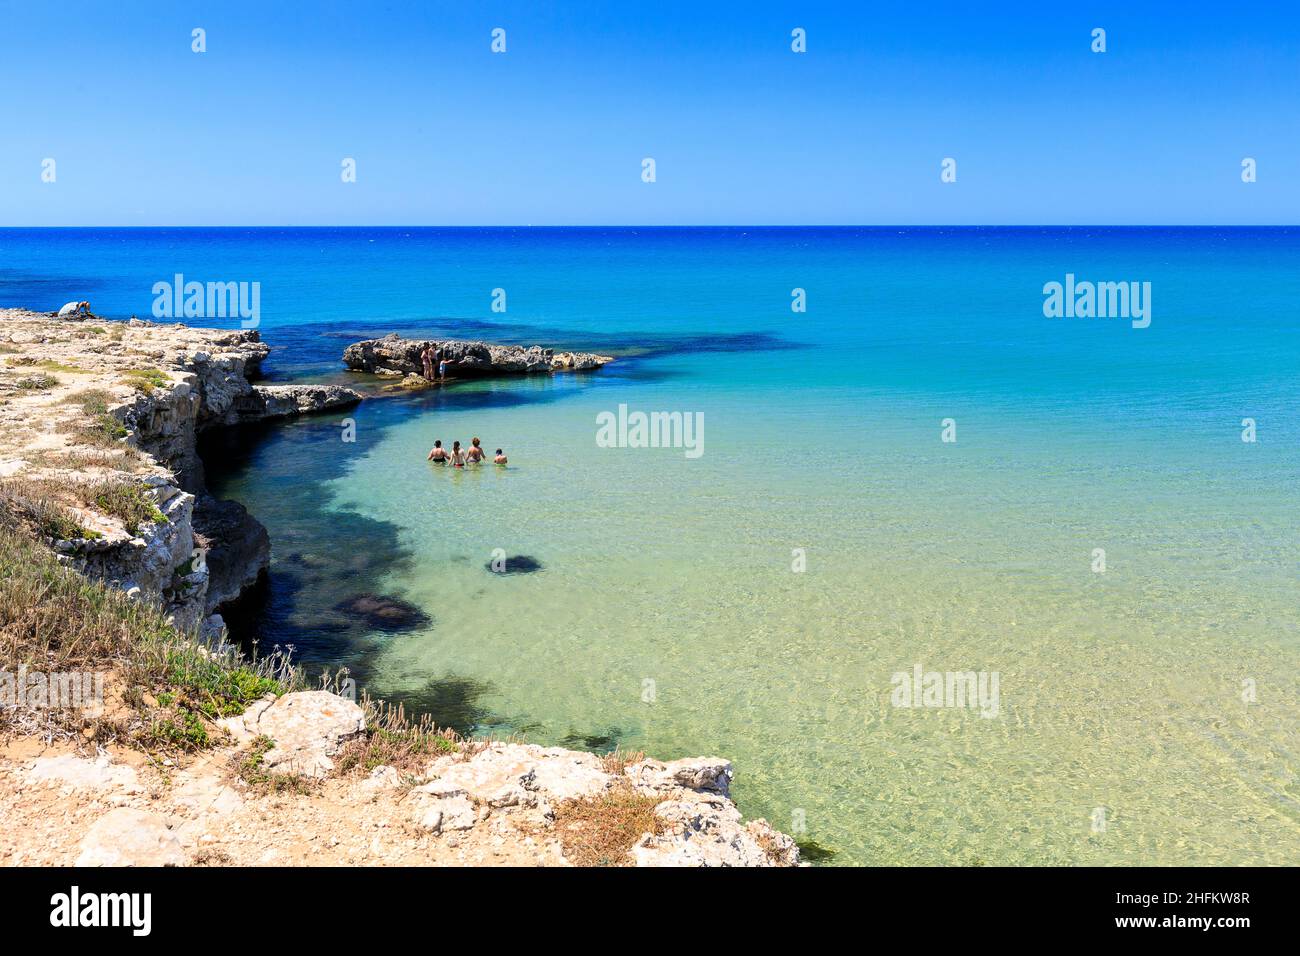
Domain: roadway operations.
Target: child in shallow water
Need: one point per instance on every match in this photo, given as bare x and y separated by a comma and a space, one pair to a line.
500, 459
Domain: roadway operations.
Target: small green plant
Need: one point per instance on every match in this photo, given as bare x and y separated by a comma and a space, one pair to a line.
180, 730
128, 502
145, 379
218, 688
252, 769
37, 383
52, 366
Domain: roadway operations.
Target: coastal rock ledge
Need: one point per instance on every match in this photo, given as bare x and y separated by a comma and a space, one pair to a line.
487, 804
95, 412
395, 356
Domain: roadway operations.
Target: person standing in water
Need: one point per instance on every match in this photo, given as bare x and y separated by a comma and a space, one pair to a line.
500, 459
457, 456
438, 453
475, 451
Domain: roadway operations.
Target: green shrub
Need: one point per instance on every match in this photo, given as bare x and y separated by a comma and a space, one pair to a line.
129, 503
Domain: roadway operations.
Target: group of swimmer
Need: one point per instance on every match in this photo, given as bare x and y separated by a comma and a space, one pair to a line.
433, 361
459, 457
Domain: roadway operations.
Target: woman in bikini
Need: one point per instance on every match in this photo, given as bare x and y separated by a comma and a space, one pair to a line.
438, 453
475, 452
457, 456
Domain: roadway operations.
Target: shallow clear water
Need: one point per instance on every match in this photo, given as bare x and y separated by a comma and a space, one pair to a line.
1120, 690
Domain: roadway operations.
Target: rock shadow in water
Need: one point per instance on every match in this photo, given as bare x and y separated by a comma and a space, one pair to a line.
451, 701
601, 743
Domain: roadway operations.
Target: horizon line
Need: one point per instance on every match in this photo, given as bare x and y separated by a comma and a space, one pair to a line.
990, 225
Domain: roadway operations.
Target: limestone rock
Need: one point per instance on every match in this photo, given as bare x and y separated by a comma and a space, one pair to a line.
279, 401
523, 774
130, 837
308, 728
237, 546
80, 773
394, 355
702, 832
441, 809
706, 774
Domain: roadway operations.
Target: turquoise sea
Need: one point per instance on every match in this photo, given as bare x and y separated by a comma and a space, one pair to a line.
1148, 714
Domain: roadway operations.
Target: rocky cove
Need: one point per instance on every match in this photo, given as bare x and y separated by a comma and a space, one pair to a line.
153, 389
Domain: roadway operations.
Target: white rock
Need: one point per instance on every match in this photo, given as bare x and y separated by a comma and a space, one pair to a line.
130, 837
308, 728
705, 774
80, 773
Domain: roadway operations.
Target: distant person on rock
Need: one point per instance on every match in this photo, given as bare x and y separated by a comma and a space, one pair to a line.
438, 453
74, 309
500, 459
426, 359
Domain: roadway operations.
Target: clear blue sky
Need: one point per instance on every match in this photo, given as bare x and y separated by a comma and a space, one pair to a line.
146, 132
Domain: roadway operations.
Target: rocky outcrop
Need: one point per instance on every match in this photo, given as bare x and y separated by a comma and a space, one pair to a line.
395, 357
235, 546
697, 824
281, 401
486, 803
307, 728
152, 388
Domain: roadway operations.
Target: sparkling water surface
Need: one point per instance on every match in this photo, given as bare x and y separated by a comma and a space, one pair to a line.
1120, 692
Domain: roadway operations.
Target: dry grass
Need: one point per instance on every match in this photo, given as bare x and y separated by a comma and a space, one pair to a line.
103, 430
210, 856
40, 507
599, 831
53, 619
391, 739
618, 759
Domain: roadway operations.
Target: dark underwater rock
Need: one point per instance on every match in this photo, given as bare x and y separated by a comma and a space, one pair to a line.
384, 612
515, 564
